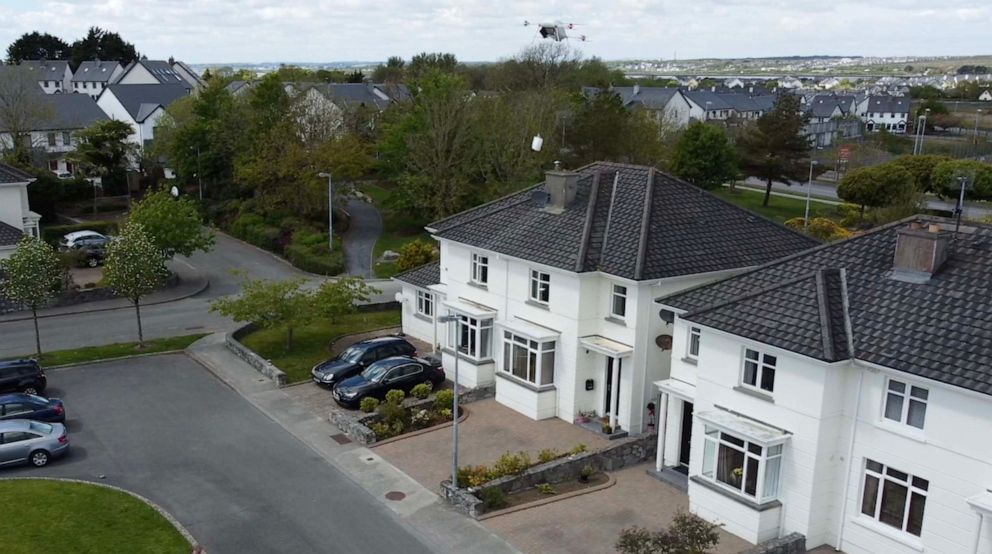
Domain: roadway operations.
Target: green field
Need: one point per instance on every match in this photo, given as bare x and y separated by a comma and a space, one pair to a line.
111, 351
58, 516
311, 344
779, 208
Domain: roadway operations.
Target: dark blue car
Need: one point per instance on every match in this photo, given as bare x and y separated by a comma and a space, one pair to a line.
30, 406
398, 372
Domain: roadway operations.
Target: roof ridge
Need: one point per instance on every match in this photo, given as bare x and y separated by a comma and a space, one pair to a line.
642, 241
580, 259
823, 307
609, 218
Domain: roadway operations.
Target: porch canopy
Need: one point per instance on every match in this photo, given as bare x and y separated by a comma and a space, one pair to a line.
678, 389
752, 430
470, 309
605, 346
530, 330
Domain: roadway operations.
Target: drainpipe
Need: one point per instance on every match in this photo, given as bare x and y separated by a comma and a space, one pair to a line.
850, 455
659, 462
615, 391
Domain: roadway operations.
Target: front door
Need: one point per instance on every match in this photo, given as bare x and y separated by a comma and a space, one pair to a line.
610, 363
686, 439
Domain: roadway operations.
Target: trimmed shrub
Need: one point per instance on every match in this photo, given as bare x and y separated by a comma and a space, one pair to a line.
548, 454
421, 391
307, 259
546, 488
444, 399
382, 431
494, 498
578, 449
368, 404
473, 476
52, 234
395, 396
511, 464
415, 254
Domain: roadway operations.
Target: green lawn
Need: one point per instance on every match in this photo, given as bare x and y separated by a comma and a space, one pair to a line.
119, 350
54, 516
311, 343
779, 208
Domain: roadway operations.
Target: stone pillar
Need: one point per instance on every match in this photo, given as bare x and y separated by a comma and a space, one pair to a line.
659, 462
615, 392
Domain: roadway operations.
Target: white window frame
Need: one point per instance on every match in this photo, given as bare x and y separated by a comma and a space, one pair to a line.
537, 371
425, 303
480, 269
761, 366
479, 328
768, 456
693, 340
616, 295
913, 487
909, 395
540, 280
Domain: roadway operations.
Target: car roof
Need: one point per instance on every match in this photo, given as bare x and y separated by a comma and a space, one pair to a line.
381, 340
79, 234
17, 363
394, 361
14, 425
16, 397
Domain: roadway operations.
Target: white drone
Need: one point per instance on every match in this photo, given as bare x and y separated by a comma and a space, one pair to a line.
556, 31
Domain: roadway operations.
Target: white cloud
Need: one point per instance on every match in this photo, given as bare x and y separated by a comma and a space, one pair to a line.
331, 30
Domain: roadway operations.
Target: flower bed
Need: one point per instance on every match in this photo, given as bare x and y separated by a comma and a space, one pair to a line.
396, 416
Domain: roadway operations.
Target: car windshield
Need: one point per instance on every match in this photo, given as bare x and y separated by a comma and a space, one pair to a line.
41, 427
375, 372
352, 354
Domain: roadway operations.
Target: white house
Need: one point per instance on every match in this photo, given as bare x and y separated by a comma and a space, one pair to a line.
141, 106
92, 77
320, 109
553, 286
16, 217
885, 112
842, 393
53, 75
53, 136
151, 72
665, 103
986, 96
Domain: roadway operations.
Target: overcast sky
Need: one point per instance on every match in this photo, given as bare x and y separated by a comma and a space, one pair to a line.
200, 31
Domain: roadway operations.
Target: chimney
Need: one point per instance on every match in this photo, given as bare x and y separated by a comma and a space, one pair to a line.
561, 187
921, 250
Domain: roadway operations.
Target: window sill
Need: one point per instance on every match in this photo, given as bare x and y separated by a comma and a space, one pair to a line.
754, 393
536, 304
478, 285
616, 320
769, 505
690, 361
465, 357
426, 318
525, 384
902, 429
889, 532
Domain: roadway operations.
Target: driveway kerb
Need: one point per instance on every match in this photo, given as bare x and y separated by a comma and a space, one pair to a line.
112, 359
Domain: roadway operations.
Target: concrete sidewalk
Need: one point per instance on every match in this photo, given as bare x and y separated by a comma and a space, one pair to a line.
191, 282
422, 511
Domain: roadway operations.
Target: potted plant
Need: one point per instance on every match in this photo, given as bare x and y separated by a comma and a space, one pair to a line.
585, 473
607, 429
736, 475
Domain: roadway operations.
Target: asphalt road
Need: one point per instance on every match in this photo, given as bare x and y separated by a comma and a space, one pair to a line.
183, 317
359, 242
165, 428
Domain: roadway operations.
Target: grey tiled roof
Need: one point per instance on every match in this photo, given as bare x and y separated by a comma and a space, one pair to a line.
939, 330
422, 276
137, 99
95, 71
10, 174
9, 235
888, 104
684, 231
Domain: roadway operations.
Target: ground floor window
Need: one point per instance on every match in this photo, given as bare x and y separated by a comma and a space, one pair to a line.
472, 336
425, 303
894, 497
746, 467
529, 359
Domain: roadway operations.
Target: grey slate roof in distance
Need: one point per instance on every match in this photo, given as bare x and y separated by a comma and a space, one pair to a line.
10, 174
422, 276
9, 235
136, 98
687, 230
888, 104
94, 71
72, 111
52, 70
941, 330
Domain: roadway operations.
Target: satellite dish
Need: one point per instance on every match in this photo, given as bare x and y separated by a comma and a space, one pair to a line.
174, 191
537, 143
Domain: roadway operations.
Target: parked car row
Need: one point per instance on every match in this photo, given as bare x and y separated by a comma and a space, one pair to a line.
373, 367
32, 427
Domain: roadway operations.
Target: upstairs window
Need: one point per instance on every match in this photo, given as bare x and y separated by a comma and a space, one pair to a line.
894, 497
425, 303
66, 138
480, 269
693, 350
905, 403
759, 370
618, 303
51, 139
540, 286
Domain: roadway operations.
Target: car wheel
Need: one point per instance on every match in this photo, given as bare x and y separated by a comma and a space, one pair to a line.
39, 458
30, 390
92, 262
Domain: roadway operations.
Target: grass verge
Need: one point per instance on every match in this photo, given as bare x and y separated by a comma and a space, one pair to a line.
398, 228
118, 350
779, 208
310, 343
54, 516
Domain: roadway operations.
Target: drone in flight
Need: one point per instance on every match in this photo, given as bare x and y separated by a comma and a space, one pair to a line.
556, 31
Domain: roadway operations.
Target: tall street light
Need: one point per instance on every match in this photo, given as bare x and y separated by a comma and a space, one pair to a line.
977, 115
330, 209
809, 187
922, 132
452, 318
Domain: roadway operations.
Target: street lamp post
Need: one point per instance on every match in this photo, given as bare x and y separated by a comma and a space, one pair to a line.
330, 209
977, 115
199, 173
809, 187
452, 318
922, 132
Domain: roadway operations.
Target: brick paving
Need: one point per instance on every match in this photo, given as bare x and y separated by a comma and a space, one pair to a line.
490, 430
591, 523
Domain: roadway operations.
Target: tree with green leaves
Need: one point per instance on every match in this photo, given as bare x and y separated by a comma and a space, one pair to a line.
38, 46
100, 44
337, 297
134, 267
876, 187
704, 156
427, 62
103, 150
921, 168
391, 72
977, 176
270, 305
773, 148
603, 129
31, 277
687, 534
415, 254
173, 224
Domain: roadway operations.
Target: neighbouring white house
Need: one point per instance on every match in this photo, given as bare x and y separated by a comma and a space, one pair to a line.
844, 393
16, 217
985, 96
890, 113
140, 105
152, 72
53, 136
54, 76
93, 76
320, 108
553, 287
666, 104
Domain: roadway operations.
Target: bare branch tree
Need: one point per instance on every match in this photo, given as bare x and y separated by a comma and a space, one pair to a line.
23, 107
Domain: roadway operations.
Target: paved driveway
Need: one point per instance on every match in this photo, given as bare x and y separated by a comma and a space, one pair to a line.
166, 428
364, 230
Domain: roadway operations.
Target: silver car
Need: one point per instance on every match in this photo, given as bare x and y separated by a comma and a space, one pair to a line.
22, 440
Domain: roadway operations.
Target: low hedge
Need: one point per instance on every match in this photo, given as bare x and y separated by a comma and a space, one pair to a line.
312, 260
53, 233
254, 229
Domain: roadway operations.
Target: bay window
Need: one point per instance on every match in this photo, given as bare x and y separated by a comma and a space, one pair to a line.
746, 467
472, 336
528, 359
894, 497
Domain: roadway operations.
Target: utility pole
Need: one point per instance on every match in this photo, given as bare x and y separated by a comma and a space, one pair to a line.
330, 210
809, 187
978, 114
199, 173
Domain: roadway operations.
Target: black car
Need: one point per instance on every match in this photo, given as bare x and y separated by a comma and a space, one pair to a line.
359, 356
398, 372
22, 376
31, 406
